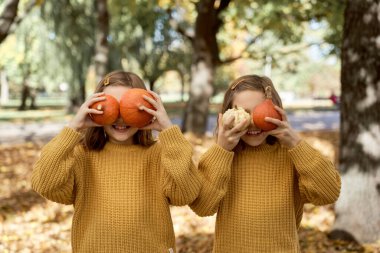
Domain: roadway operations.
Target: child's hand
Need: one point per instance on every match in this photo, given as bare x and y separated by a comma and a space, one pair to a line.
161, 119
228, 135
82, 119
284, 132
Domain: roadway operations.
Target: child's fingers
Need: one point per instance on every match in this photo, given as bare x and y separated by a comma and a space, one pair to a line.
150, 111
98, 94
238, 135
229, 123
274, 121
240, 127
93, 100
243, 132
220, 120
151, 101
155, 95
94, 111
157, 100
282, 112
95, 95
274, 132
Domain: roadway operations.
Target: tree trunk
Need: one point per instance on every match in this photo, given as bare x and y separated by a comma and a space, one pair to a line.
33, 96
102, 49
4, 88
358, 207
201, 89
114, 58
28, 92
204, 62
182, 78
152, 82
25, 93
7, 18
77, 92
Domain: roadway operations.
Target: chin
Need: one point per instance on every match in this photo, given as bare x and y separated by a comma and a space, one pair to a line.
120, 134
254, 139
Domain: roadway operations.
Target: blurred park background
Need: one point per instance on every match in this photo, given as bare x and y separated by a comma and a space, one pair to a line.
323, 57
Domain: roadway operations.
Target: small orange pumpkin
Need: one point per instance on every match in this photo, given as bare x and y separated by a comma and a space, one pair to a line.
130, 102
110, 108
265, 109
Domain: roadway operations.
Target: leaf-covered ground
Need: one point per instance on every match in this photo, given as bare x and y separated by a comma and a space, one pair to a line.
31, 224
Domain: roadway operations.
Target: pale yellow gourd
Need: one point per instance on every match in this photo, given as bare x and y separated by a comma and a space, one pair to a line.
239, 115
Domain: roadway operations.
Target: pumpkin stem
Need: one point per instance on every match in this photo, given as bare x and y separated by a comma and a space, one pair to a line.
268, 92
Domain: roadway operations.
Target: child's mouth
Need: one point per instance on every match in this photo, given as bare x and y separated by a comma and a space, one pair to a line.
254, 132
120, 127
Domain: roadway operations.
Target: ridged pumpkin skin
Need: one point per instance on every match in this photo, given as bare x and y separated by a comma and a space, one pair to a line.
130, 102
265, 109
110, 108
238, 113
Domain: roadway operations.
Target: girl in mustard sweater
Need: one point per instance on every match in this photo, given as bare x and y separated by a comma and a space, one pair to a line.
257, 182
119, 180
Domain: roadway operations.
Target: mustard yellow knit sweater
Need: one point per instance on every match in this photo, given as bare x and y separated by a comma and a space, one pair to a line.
259, 193
121, 195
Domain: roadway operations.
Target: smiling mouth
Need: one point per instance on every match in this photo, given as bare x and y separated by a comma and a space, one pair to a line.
120, 127
254, 132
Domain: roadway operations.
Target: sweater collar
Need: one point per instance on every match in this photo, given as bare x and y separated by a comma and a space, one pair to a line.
264, 147
122, 147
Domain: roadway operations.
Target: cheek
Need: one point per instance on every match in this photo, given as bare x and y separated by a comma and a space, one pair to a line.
133, 130
107, 128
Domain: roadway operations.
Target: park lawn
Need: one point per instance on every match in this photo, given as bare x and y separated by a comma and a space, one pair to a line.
13, 115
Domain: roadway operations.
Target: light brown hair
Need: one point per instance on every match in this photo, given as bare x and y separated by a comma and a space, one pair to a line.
249, 82
95, 137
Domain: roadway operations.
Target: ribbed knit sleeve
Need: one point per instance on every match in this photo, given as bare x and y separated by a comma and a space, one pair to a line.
53, 175
319, 180
181, 182
215, 171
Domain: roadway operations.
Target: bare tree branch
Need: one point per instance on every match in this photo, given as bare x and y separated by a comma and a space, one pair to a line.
176, 26
250, 43
223, 5
7, 18
279, 53
182, 31
19, 18
28, 9
296, 48
101, 56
